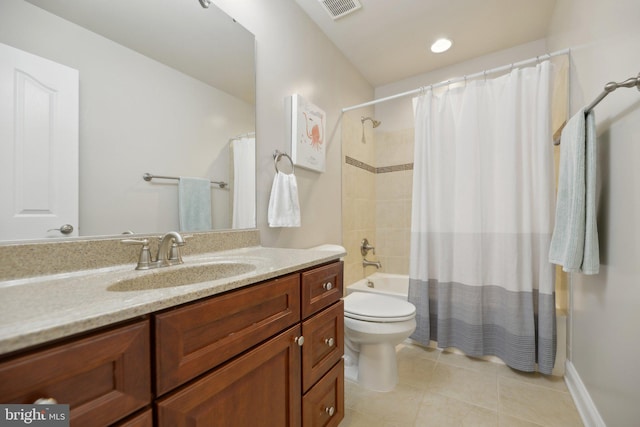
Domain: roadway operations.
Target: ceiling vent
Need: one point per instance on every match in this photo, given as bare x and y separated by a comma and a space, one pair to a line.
339, 8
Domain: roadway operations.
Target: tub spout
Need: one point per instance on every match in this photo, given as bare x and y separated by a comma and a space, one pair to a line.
366, 262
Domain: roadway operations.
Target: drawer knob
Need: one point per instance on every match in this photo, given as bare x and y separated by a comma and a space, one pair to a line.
46, 401
329, 341
330, 411
299, 340
327, 286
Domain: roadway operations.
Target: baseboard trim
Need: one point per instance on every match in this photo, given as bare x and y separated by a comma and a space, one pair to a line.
587, 409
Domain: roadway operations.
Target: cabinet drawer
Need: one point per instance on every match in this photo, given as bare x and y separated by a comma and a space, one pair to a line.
193, 339
321, 287
258, 388
103, 377
323, 343
323, 405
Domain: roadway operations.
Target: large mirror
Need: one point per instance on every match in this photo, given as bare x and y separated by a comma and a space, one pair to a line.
165, 87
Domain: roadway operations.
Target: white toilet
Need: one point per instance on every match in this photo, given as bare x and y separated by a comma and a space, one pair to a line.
373, 325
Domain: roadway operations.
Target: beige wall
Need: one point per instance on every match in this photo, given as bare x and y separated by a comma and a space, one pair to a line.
294, 56
604, 346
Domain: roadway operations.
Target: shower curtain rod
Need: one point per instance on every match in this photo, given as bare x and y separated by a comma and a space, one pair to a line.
459, 79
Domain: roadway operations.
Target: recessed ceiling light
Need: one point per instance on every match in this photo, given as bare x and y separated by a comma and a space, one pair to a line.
441, 45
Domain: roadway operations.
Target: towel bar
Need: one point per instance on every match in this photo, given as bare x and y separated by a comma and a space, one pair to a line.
148, 177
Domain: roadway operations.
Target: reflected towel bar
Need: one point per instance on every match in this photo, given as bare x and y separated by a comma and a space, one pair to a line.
148, 177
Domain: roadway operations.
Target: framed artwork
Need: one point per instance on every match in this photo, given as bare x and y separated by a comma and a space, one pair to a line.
308, 144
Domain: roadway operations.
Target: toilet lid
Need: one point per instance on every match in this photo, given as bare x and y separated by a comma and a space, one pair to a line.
372, 307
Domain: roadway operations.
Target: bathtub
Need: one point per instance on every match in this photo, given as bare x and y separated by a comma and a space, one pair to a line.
397, 286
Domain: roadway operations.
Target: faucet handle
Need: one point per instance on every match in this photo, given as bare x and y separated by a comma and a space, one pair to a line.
365, 247
175, 254
144, 259
175, 257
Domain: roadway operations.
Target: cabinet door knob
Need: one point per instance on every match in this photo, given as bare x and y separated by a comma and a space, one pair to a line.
327, 286
329, 341
299, 340
46, 401
330, 411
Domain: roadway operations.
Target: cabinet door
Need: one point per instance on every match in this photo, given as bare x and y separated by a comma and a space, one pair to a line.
259, 388
103, 377
194, 339
323, 405
321, 287
323, 343
144, 419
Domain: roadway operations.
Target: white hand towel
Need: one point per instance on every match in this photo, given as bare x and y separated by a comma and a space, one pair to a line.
574, 244
194, 204
284, 207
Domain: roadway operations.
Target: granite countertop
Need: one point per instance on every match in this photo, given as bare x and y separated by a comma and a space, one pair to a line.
45, 308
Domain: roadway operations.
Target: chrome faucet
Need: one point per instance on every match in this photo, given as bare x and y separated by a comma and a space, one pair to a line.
366, 262
168, 251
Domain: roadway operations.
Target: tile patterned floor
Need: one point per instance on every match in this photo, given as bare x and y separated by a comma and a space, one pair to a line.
440, 388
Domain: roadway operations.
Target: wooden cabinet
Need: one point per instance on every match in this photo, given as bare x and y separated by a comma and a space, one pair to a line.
268, 354
249, 381
259, 388
323, 343
103, 377
324, 404
195, 338
143, 419
321, 287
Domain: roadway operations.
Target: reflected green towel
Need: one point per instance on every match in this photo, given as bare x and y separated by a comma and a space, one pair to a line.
574, 244
194, 204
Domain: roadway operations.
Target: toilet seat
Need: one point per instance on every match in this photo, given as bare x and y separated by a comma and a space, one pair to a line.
370, 307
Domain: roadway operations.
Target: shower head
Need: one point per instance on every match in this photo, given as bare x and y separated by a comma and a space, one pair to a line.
374, 122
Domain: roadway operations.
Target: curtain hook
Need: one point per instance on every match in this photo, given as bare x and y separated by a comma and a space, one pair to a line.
484, 73
465, 81
448, 84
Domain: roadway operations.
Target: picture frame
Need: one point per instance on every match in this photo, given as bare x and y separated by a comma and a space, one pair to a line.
308, 142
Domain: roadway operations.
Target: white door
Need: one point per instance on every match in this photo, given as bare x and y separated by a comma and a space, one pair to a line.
38, 147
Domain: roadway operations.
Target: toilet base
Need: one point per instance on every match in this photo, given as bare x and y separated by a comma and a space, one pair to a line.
377, 367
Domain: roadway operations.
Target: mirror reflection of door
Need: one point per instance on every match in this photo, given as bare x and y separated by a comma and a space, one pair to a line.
38, 146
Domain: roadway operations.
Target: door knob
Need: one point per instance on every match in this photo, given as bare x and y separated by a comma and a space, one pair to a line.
64, 229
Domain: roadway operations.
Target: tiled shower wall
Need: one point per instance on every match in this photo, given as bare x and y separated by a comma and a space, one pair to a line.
394, 176
358, 195
376, 192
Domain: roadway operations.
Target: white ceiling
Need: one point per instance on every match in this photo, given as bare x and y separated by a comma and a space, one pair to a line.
389, 40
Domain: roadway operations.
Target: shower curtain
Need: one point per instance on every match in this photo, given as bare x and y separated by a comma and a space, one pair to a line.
482, 218
243, 153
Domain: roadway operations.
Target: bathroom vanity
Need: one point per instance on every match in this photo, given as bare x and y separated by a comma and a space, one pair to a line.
259, 348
